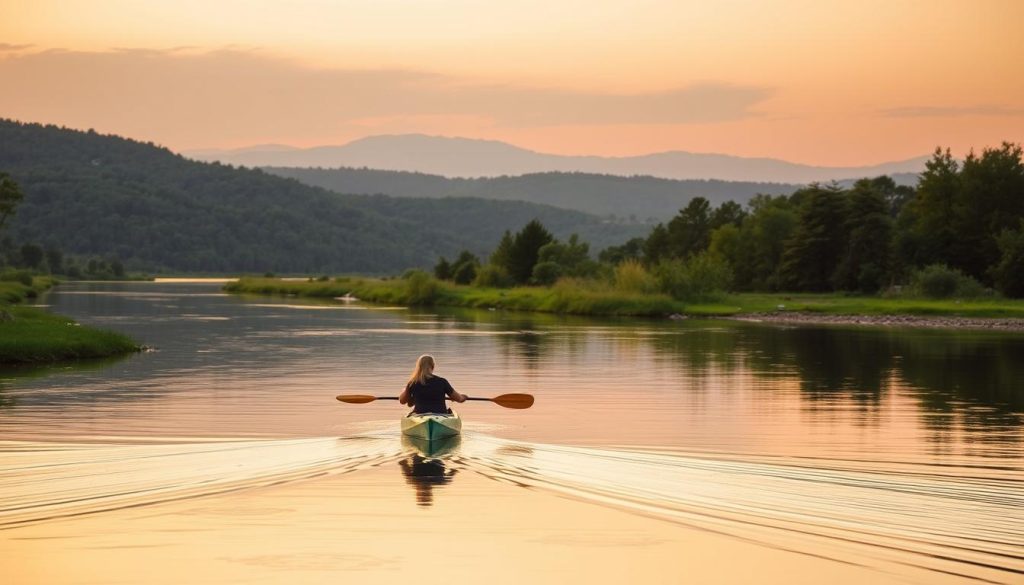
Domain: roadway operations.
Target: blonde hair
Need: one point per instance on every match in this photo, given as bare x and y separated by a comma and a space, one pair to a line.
424, 367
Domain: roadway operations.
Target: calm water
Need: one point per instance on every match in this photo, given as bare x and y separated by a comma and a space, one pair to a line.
879, 447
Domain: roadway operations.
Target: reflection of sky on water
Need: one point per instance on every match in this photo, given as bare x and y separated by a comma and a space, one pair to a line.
258, 366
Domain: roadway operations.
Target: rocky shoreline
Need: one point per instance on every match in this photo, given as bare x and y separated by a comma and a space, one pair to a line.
930, 322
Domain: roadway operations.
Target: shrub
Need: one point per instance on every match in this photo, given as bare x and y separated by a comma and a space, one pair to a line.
546, 273
420, 287
1009, 272
630, 276
701, 277
22, 276
938, 281
493, 276
465, 273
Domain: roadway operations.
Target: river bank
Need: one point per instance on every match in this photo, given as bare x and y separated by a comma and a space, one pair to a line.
989, 313
33, 335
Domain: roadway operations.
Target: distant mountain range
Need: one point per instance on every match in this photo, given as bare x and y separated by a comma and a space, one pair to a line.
625, 199
464, 157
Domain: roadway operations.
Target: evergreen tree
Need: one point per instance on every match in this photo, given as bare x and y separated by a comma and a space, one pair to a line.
865, 261
811, 256
442, 270
525, 250
656, 245
502, 255
689, 232
932, 213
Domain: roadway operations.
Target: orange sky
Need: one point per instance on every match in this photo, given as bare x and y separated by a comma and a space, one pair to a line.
819, 82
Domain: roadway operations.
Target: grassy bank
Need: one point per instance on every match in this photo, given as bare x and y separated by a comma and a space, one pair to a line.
583, 300
557, 299
31, 335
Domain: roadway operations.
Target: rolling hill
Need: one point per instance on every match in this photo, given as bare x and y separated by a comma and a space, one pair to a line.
631, 198
94, 194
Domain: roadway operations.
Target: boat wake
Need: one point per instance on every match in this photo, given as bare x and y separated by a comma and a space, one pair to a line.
46, 481
889, 517
907, 520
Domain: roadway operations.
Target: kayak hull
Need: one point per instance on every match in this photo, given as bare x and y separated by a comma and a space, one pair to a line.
431, 427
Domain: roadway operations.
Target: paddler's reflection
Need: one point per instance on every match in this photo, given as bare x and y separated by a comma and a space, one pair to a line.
425, 467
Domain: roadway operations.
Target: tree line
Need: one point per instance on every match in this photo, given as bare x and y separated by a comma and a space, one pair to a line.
960, 231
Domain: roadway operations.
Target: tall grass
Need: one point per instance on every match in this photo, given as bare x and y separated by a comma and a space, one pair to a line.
596, 297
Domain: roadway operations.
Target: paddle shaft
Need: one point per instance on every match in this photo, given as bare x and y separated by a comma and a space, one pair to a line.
506, 400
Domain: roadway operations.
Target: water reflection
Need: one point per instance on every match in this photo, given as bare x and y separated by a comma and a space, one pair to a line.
428, 466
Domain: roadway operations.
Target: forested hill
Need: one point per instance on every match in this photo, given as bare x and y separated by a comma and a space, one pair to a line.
640, 197
94, 194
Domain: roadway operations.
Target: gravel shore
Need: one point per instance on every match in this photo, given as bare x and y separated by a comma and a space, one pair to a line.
937, 322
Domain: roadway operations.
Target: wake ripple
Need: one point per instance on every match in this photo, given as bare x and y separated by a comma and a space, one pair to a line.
911, 515
43, 481
906, 520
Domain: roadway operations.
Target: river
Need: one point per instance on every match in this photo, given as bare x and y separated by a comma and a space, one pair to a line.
892, 453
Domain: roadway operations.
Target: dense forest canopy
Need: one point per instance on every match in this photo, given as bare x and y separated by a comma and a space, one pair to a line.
91, 194
963, 224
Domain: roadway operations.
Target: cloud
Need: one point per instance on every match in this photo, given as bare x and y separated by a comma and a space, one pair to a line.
952, 111
9, 48
190, 97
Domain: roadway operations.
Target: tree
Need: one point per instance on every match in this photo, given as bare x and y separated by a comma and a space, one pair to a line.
762, 240
727, 213
865, 261
55, 259
1009, 272
572, 257
656, 245
811, 256
502, 255
526, 249
990, 201
465, 273
932, 213
10, 197
32, 256
615, 255
690, 230
442, 270
464, 267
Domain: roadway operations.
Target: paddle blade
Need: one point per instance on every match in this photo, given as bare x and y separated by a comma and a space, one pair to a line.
356, 398
514, 400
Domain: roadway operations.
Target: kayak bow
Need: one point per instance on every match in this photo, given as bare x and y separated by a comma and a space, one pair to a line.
431, 426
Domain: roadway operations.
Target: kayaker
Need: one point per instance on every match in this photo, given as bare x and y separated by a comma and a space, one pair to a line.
426, 392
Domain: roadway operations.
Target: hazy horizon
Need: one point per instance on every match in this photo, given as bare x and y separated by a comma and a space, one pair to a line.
827, 85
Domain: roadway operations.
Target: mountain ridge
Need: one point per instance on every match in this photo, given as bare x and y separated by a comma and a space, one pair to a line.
458, 157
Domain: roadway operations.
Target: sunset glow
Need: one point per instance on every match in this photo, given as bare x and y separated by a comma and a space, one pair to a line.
822, 83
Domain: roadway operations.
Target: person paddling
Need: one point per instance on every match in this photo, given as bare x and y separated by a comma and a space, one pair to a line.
426, 392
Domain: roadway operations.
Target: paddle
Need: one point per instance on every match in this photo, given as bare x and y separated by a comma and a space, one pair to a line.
506, 400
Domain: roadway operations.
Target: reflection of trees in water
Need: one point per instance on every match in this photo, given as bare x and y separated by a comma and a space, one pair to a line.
963, 380
425, 468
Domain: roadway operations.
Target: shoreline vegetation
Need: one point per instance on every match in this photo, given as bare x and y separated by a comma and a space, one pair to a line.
30, 335
581, 298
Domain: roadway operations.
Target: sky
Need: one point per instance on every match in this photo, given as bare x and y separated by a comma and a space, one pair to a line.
818, 82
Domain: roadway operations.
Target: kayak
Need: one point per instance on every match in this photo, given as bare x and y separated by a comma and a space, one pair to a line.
431, 426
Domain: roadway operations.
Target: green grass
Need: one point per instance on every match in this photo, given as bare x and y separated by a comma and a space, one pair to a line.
32, 335
583, 298
573, 300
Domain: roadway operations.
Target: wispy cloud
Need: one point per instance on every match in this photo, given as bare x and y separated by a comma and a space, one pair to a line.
190, 96
9, 48
952, 111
